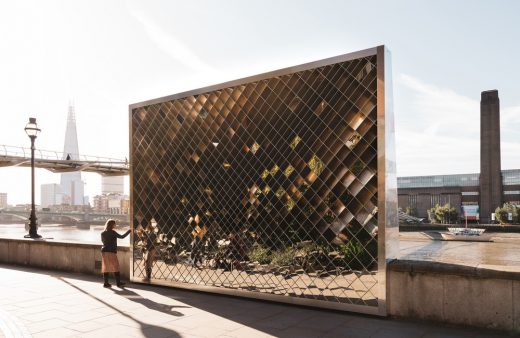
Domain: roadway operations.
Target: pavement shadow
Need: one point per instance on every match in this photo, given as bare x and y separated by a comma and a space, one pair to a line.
271, 318
135, 297
275, 319
154, 330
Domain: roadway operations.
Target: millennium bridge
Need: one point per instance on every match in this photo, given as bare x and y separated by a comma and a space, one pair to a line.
57, 162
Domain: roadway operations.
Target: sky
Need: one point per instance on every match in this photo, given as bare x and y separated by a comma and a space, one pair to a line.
105, 55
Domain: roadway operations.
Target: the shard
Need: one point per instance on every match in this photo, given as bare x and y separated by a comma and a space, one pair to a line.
71, 183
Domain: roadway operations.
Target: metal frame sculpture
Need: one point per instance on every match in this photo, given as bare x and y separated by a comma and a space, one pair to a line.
279, 186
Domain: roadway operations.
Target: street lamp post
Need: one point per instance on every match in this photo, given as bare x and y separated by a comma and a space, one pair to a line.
31, 129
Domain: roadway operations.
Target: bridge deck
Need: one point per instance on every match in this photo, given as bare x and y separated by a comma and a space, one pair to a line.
60, 162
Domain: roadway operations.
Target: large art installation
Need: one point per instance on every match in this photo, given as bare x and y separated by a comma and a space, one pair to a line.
279, 186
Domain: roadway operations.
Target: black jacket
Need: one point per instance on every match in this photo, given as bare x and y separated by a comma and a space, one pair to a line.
109, 239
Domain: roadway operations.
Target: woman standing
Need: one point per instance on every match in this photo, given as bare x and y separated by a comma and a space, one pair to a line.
109, 253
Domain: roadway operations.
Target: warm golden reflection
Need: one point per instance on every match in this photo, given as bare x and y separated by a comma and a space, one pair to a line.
274, 170
255, 148
266, 187
265, 174
316, 165
288, 171
295, 142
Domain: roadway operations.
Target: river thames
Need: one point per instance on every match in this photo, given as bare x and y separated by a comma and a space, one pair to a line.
498, 251
62, 232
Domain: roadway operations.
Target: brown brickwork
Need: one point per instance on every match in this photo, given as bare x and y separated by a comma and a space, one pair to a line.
490, 175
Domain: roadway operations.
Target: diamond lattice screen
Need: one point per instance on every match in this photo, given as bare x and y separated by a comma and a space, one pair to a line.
268, 186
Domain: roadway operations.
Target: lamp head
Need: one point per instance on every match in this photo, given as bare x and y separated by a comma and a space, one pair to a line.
31, 128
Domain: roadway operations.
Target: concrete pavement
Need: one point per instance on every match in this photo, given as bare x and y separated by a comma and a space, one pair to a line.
42, 303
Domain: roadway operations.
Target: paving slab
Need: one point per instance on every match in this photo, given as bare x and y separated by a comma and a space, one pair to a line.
43, 303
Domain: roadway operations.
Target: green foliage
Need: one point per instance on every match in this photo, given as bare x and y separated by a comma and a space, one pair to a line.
259, 253
283, 256
411, 211
295, 142
289, 204
274, 170
312, 256
356, 256
280, 192
350, 249
265, 174
318, 254
307, 248
502, 214
329, 217
443, 214
357, 168
316, 165
288, 171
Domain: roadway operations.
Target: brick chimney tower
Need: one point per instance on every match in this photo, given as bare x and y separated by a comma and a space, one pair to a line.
490, 167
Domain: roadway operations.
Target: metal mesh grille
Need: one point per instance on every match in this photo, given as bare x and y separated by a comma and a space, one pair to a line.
268, 187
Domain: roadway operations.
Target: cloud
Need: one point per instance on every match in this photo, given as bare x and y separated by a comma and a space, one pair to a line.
510, 115
172, 46
440, 107
438, 131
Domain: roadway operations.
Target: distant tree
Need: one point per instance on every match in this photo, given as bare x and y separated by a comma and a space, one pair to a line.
453, 215
443, 214
411, 211
431, 215
502, 213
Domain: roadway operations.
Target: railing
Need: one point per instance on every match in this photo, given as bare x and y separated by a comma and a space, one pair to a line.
62, 162
13, 151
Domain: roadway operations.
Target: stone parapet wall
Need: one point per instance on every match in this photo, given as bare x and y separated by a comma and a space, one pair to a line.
64, 256
456, 294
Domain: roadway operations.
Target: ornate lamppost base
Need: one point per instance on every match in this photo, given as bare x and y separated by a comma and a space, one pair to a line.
32, 226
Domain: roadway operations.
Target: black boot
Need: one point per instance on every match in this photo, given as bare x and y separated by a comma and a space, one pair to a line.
105, 278
148, 273
118, 280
